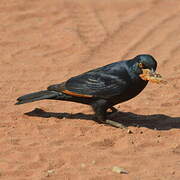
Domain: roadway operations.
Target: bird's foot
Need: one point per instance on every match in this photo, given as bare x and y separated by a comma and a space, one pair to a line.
115, 124
110, 122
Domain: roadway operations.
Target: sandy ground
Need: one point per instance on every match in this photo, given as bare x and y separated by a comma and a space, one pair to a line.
44, 42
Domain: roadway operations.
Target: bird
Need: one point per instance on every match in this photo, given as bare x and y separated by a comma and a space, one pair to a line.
101, 88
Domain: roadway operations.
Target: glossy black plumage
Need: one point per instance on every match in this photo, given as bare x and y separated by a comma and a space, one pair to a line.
102, 87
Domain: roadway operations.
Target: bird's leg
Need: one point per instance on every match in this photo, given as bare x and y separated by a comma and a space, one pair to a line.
100, 108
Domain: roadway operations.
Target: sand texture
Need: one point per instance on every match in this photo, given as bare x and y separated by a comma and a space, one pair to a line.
45, 42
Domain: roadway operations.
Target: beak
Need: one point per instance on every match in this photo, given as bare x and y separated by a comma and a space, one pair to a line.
152, 76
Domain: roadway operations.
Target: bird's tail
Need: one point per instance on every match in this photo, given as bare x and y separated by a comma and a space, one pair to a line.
36, 96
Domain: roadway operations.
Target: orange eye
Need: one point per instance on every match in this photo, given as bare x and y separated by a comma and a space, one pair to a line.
140, 65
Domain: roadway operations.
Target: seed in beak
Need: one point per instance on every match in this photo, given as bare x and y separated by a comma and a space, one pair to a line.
151, 75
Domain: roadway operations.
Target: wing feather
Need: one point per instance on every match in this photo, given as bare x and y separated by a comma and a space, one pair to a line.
96, 84
104, 82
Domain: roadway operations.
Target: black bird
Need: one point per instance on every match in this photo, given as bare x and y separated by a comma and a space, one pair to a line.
101, 88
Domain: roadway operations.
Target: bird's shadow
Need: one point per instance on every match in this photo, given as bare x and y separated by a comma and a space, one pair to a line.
155, 121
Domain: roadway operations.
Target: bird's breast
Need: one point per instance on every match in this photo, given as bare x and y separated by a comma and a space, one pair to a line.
132, 91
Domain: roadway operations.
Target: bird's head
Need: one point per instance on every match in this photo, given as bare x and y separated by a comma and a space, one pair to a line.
145, 66
146, 61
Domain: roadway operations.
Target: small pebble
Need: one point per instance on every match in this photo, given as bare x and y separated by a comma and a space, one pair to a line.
49, 172
93, 162
129, 131
83, 165
119, 170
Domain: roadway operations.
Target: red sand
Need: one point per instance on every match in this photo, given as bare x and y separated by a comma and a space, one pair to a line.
45, 42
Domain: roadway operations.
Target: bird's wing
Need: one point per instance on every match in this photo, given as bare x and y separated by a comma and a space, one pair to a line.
95, 84
104, 82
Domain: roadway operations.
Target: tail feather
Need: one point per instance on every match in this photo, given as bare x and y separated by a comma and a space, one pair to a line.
36, 96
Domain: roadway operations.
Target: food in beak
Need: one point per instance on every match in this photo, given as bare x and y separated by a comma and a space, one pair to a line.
150, 75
